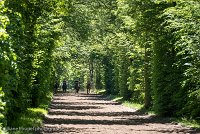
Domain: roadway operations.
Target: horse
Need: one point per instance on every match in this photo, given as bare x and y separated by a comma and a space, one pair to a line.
88, 87
77, 86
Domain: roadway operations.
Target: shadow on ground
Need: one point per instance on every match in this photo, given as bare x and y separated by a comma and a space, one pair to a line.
85, 106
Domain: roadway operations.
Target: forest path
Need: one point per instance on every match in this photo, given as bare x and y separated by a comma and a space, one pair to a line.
71, 113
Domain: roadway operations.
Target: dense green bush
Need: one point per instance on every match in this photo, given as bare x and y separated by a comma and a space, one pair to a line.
182, 22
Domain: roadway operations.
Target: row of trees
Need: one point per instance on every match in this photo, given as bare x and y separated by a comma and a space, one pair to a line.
144, 50
29, 31
153, 55
166, 55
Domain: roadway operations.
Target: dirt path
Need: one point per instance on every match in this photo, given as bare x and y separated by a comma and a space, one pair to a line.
93, 114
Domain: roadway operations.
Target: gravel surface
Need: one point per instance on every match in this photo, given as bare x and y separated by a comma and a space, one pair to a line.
71, 113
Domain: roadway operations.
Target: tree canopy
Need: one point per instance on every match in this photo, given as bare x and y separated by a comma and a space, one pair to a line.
147, 51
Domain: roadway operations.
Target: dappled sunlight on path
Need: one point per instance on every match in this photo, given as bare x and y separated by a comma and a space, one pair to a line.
93, 114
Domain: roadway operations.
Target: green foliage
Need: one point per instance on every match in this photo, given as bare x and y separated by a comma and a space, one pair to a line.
145, 51
189, 122
108, 75
132, 105
124, 74
5, 56
31, 118
28, 45
182, 23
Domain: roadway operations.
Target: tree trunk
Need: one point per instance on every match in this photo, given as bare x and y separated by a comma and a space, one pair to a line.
147, 80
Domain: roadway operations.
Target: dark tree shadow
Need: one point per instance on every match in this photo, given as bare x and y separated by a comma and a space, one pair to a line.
108, 114
83, 103
116, 121
75, 109
53, 130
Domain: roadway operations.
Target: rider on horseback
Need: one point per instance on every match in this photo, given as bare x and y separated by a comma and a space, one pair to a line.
77, 85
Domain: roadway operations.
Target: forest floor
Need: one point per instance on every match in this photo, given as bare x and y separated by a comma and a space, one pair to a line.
71, 113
